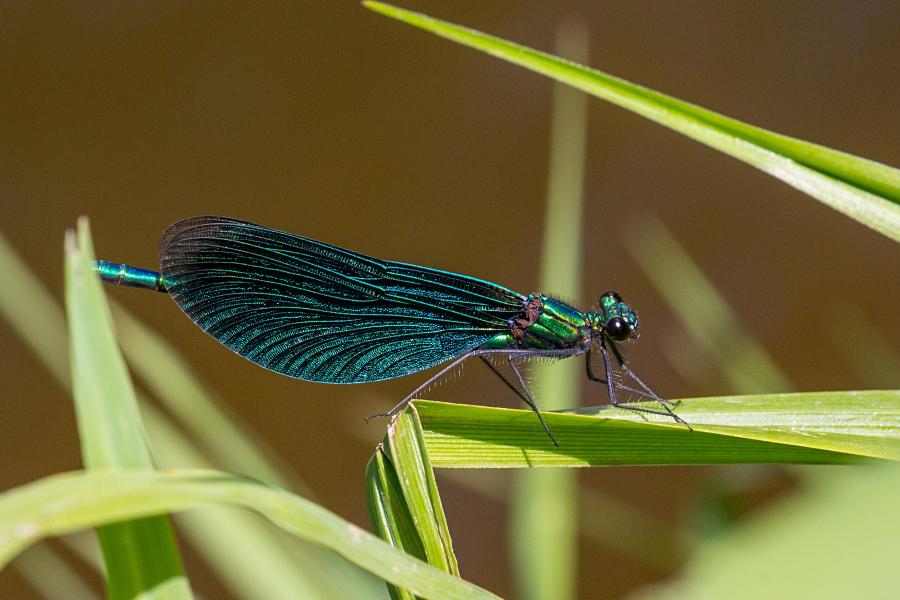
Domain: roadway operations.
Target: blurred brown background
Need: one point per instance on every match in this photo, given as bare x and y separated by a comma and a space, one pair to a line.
327, 120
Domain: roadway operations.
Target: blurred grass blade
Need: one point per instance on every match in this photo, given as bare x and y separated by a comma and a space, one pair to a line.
864, 190
862, 345
640, 535
64, 503
544, 542
603, 519
807, 428
740, 357
838, 538
197, 407
405, 445
86, 547
141, 556
32, 313
240, 547
51, 576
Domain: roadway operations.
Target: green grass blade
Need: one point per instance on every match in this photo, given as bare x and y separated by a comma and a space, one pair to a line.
864, 190
141, 556
405, 445
389, 513
65, 503
838, 538
403, 498
108, 418
806, 428
544, 543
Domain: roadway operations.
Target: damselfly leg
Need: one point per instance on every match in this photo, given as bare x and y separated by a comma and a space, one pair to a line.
512, 357
611, 387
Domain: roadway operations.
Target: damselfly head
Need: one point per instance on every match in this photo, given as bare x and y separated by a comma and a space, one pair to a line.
617, 320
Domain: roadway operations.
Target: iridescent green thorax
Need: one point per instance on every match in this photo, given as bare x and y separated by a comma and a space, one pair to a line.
559, 325
546, 323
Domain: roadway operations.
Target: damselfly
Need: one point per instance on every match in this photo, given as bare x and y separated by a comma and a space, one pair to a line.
317, 312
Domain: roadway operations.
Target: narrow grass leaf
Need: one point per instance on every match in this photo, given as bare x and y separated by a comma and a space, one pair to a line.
861, 189
808, 428
389, 514
141, 556
865, 423
405, 445
65, 503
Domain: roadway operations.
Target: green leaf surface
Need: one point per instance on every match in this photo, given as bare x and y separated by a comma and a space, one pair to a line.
65, 503
805, 428
403, 498
864, 190
406, 448
390, 516
141, 556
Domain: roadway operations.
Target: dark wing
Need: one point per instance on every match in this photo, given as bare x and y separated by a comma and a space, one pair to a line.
321, 313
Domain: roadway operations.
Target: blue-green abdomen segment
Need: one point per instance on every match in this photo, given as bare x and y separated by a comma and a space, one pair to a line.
122, 274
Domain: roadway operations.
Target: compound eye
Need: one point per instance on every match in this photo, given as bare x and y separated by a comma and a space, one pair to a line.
617, 329
611, 295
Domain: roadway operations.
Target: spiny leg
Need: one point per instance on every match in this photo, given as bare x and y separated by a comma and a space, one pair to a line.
589, 369
666, 404
612, 395
648, 391
527, 398
503, 378
472, 353
402, 404
511, 355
